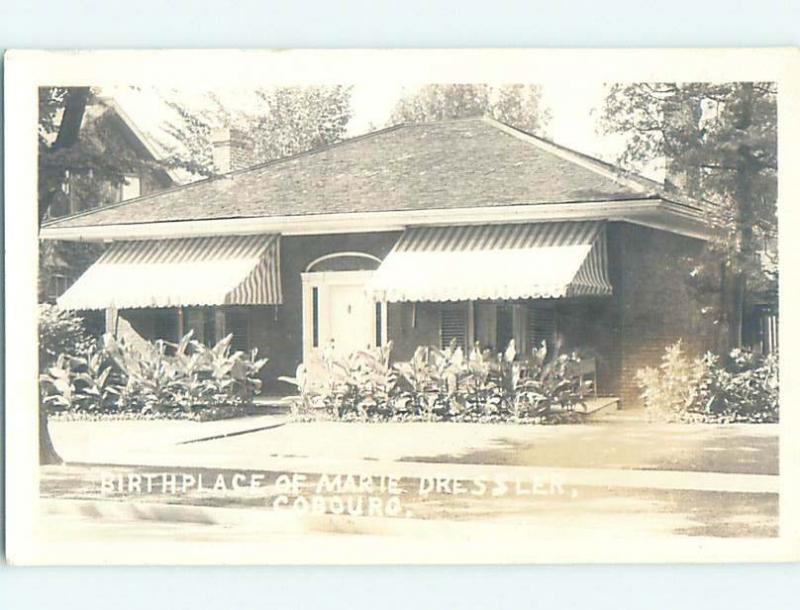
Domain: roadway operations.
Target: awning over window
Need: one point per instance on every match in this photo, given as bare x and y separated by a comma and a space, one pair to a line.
512, 261
235, 270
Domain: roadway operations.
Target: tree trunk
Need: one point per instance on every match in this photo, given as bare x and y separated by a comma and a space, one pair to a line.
722, 334
739, 291
746, 170
68, 131
74, 108
47, 453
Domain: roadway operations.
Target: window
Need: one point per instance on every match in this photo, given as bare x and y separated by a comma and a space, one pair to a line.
201, 321
165, 324
453, 324
378, 324
236, 323
57, 285
541, 324
315, 316
130, 188
505, 326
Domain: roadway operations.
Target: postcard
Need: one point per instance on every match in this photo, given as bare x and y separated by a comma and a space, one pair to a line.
418, 306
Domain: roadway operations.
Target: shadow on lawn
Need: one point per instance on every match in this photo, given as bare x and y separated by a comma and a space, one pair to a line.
737, 454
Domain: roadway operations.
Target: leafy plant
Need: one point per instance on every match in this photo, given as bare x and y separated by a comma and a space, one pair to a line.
359, 384
154, 378
440, 384
60, 332
78, 383
742, 387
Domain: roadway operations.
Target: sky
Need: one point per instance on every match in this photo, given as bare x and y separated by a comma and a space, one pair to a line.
574, 108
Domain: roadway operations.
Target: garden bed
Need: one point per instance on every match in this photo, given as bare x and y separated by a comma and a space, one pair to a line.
567, 417
447, 384
205, 415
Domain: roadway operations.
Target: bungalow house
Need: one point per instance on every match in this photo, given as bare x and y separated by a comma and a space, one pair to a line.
465, 230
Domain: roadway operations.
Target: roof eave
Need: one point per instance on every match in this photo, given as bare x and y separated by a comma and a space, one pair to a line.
654, 212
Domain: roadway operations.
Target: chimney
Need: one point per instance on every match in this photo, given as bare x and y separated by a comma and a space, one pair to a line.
232, 150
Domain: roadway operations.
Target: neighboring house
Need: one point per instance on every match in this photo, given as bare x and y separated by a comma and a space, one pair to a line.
465, 230
760, 322
106, 125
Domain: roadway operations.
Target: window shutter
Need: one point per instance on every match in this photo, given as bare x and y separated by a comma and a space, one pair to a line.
453, 324
541, 324
236, 323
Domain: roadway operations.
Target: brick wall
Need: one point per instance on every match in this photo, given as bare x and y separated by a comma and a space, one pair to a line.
654, 303
591, 326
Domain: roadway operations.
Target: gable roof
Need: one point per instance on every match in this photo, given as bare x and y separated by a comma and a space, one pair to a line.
474, 163
138, 139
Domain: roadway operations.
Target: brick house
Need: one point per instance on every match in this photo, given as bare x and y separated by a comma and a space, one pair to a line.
106, 126
465, 230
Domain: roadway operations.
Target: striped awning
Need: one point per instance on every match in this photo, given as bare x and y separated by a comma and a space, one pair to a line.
234, 270
511, 261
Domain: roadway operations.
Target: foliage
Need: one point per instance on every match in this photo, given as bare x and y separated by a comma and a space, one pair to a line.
719, 144
186, 378
288, 120
359, 384
61, 332
744, 388
80, 383
297, 119
83, 159
82, 155
672, 388
517, 105
442, 384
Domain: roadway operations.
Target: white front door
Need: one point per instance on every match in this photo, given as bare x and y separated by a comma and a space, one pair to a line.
339, 314
351, 324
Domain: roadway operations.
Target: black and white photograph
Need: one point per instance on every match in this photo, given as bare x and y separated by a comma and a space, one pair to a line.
360, 311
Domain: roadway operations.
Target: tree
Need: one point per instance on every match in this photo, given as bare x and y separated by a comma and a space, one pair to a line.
517, 105
719, 145
296, 119
70, 103
82, 161
79, 159
289, 120
55, 154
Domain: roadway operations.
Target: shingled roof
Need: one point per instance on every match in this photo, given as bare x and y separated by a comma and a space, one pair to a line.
461, 163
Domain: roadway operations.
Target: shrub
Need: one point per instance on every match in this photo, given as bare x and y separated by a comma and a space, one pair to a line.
672, 388
160, 378
440, 384
742, 388
60, 332
193, 378
359, 385
80, 383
